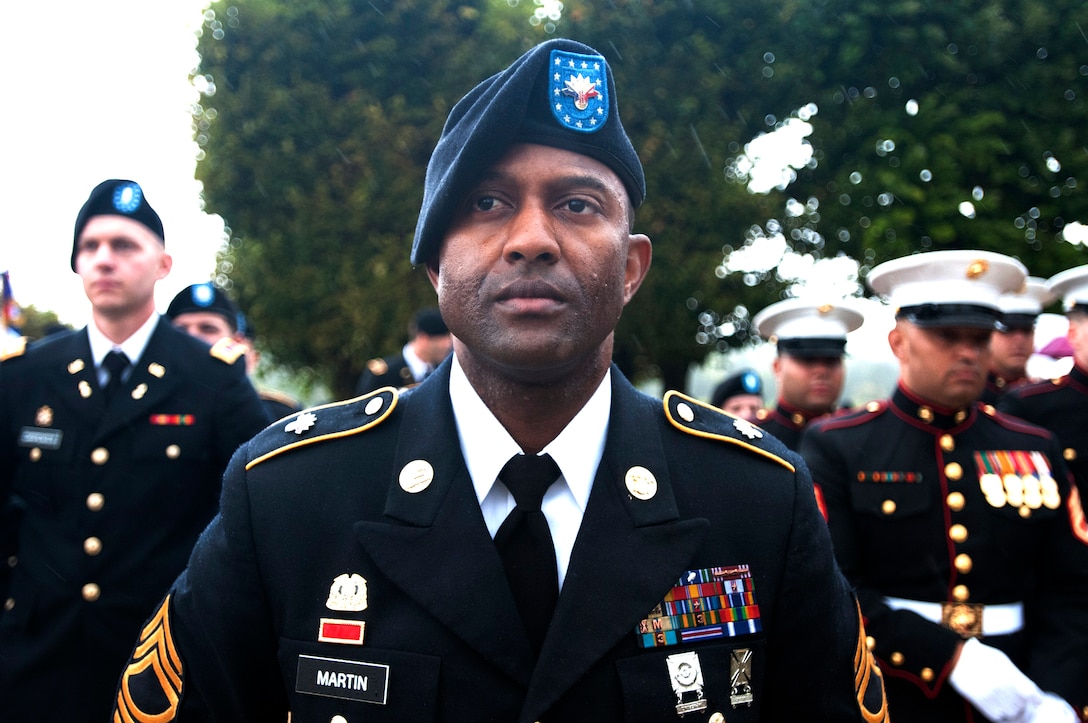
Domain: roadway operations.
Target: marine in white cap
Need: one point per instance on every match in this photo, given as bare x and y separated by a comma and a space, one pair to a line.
808, 369
1013, 340
958, 525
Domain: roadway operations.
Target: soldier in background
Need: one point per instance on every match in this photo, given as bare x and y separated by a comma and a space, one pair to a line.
113, 441
740, 394
206, 312
429, 343
1013, 340
953, 521
1061, 405
808, 369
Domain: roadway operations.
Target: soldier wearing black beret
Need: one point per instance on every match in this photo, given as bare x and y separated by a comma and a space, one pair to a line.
739, 394
206, 312
113, 440
958, 525
428, 345
523, 536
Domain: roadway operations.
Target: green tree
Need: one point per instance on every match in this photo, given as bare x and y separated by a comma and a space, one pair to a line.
324, 114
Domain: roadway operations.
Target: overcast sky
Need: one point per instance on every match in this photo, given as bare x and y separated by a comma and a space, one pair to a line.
97, 89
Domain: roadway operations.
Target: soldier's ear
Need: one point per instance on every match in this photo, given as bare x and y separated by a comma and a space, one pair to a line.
896, 340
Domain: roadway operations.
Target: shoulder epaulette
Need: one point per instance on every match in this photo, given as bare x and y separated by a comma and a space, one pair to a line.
228, 350
13, 348
377, 367
703, 420
322, 423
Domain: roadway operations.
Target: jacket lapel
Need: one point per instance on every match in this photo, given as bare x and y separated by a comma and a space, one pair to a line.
467, 591
154, 378
628, 553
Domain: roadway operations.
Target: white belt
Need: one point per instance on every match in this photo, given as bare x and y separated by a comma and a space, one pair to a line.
966, 618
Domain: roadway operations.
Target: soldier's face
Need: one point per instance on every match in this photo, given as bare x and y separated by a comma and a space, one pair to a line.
812, 384
538, 263
1010, 351
204, 325
120, 261
944, 365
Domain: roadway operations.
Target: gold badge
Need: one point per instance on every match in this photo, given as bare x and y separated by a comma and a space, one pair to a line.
416, 476
85, 389
156, 370
641, 483
44, 417
76, 366
347, 594
139, 391
686, 676
978, 268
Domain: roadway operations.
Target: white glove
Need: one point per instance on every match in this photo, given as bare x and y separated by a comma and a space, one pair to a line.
992, 683
1052, 709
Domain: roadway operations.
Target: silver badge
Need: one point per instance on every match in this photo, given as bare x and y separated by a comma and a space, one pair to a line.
740, 677
301, 423
347, 594
748, 429
686, 676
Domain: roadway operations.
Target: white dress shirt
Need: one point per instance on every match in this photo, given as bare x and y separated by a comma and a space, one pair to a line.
132, 347
487, 447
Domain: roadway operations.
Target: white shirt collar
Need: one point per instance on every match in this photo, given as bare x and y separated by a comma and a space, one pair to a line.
577, 450
418, 367
133, 347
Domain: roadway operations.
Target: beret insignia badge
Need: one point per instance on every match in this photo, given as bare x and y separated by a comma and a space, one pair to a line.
579, 91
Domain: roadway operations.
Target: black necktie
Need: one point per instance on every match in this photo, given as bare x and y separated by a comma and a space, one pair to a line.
116, 362
525, 543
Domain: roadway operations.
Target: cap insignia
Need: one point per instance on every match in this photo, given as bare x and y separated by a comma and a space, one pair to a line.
127, 198
578, 89
978, 268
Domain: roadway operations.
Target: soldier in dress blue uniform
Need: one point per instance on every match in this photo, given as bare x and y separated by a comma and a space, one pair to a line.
206, 312
808, 370
116, 469
1013, 340
410, 555
957, 524
428, 345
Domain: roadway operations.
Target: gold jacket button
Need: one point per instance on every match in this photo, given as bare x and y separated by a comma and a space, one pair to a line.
964, 563
927, 674
100, 456
888, 507
35, 454
95, 501
91, 592
957, 533
896, 659
953, 471
173, 451
960, 593
92, 546
9, 604
947, 443
955, 501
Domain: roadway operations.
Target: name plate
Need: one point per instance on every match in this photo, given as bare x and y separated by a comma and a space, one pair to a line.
39, 437
345, 679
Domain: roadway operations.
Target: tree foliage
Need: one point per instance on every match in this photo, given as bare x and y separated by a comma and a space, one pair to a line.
320, 116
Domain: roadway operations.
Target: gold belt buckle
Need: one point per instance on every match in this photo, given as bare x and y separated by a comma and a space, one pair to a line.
962, 618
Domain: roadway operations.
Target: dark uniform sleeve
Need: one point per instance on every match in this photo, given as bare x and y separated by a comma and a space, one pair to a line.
186, 664
239, 413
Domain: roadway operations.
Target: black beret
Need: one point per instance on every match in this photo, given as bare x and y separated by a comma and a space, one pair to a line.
430, 322
743, 382
201, 298
561, 94
117, 197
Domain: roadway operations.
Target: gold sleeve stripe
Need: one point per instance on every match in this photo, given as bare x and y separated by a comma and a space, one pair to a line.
867, 675
711, 435
333, 435
156, 656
